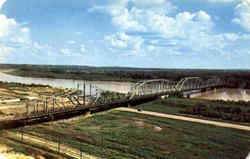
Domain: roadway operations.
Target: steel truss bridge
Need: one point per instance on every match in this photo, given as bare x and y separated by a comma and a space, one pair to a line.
71, 104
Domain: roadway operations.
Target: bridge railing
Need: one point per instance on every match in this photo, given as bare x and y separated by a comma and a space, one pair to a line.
160, 85
75, 98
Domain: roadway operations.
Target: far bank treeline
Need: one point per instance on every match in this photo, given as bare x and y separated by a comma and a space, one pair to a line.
234, 78
226, 110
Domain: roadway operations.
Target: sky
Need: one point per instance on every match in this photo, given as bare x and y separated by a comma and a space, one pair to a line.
207, 34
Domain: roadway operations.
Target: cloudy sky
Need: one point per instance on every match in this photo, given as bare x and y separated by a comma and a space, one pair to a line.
137, 33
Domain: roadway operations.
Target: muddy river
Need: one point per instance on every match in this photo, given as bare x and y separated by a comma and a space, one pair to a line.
227, 94
124, 87
67, 83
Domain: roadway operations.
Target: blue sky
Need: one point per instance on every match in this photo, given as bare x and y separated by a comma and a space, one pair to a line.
135, 33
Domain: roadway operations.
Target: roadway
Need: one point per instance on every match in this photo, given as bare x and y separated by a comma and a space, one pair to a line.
176, 117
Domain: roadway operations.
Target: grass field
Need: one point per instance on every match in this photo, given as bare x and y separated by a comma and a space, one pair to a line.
178, 106
118, 134
13, 149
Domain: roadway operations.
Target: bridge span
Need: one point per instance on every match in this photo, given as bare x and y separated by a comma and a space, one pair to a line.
53, 108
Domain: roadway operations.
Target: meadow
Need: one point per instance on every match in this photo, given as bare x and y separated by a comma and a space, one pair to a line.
117, 134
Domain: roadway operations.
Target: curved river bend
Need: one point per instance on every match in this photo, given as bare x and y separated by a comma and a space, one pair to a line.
122, 87
227, 94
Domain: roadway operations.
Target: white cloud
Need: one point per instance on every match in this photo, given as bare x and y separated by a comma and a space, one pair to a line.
37, 45
243, 14
132, 19
110, 5
223, 1
178, 26
203, 16
118, 40
25, 30
157, 19
78, 33
126, 21
179, 33
245, 36
67, 51
148, 3
190, 28
154, 41
71, 42
126, 43
83, 48
151, 48
117, 3
5, 52
2, 3
12, 36
231, 36
11, 31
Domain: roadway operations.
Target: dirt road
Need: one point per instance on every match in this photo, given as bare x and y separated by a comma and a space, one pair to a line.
215, 123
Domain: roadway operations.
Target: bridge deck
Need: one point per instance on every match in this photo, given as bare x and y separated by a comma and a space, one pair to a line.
64, 113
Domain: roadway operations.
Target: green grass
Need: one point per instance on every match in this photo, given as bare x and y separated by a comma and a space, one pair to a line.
23, 90
16, 146
159, 107
129, 135
178, 106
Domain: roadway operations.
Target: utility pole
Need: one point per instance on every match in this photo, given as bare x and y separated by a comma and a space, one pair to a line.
34, 108
90, 88
46, 105
53, 108
27, 108
58, 145
84, 93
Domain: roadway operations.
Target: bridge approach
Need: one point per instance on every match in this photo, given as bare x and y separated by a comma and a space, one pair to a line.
56, 107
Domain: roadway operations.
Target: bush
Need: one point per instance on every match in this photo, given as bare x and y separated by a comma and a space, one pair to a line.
227, 110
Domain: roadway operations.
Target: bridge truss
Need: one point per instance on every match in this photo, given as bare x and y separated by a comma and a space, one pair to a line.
166, 86
76, 102
74, 98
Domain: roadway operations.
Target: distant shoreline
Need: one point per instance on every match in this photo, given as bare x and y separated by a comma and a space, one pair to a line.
234, 78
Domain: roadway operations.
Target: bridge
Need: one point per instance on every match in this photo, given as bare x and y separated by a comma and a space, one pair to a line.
75, 103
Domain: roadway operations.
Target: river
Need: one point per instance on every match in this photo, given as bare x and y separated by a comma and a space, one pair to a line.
227, 94
122, 87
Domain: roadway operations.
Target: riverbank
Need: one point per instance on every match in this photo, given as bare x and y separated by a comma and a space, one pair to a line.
226, 94
15, 96
234, 78
122, 87
216, 110
126, 135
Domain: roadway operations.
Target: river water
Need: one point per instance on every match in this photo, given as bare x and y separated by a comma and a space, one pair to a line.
122, 87
227, 94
